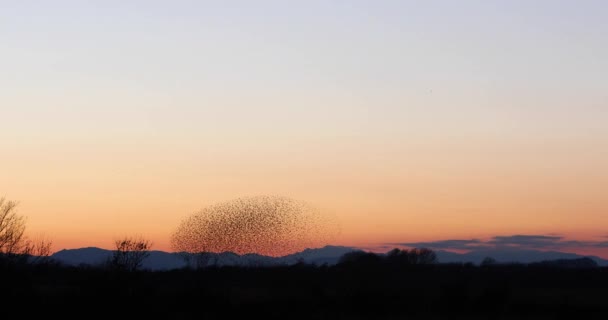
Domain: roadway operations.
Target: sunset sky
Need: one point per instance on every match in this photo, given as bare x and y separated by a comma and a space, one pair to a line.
409, 121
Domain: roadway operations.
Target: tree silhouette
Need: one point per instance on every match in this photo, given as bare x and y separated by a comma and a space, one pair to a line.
13, 242
130, 253
360, 259
416, 256
38, 250
488, 261
12, 228
422, 256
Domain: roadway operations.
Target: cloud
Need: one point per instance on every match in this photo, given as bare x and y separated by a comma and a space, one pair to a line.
518, 241
582, 244
526, 241
445, 244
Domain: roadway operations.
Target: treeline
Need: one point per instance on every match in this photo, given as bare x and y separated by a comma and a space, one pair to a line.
395, 257
400, 284
427, 257
409, 284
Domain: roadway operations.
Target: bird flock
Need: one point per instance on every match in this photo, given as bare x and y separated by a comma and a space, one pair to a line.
265, 225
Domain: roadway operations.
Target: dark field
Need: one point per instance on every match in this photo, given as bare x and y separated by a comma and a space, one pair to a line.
306, 292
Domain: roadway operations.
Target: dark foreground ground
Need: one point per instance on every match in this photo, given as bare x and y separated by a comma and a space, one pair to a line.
303, 292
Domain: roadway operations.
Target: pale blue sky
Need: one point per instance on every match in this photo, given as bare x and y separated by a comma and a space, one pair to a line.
351, 62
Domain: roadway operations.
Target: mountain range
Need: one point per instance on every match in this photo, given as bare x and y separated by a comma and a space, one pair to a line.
160, 260
509, 255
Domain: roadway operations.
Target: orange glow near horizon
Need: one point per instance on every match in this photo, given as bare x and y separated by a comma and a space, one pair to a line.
379, 198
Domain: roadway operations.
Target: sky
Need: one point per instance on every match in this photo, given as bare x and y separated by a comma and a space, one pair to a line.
408, 121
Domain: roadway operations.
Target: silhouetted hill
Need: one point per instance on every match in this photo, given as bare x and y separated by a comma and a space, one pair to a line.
581, 263
160, 260
89, 256
512, 256
326, 255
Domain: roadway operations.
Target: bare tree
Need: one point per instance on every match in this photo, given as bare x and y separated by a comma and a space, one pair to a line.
427, 256
414, 256
130, 253
398, 257
488, 261
422, 256
12, 229
14, 244
38, 250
